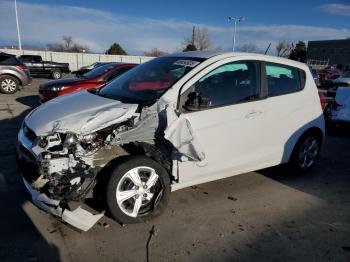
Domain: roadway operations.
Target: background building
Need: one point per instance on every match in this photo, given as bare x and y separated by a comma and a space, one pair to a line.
332, 51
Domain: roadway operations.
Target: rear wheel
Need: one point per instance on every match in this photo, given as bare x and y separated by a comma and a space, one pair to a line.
8, 84
138, 190
56, 74
306, 152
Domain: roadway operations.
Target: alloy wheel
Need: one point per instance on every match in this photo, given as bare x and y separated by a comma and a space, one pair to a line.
56, 75
8, 85
308, 152
138, 190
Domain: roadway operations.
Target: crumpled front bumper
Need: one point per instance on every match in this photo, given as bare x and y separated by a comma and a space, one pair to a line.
79, 218
27, 163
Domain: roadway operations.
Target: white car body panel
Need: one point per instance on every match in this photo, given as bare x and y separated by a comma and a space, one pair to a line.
233, 142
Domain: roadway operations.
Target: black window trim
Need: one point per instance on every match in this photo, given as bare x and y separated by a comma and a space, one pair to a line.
262, 90
301, 75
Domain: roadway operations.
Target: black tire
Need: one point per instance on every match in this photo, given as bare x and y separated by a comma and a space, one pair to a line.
119, 179
299, 162
8, 84
56, 74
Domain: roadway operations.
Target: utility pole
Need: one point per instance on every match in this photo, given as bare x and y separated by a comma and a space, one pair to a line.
193, 32
18, 32
235, 20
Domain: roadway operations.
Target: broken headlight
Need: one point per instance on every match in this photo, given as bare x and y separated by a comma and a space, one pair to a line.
71, 139
88, 138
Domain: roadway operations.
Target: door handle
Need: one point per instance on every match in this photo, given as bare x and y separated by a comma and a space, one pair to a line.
253, 114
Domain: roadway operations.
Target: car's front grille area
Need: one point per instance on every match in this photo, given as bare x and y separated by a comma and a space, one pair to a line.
27, 164
29, 133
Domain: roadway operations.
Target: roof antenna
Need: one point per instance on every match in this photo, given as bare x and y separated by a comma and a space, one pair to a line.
267, 49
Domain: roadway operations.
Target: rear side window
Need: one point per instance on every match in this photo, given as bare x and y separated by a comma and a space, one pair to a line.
8, 60
282, 79
37, 59
25, 59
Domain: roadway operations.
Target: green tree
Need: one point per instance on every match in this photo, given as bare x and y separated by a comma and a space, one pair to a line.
299, 52
116, 49
190, 47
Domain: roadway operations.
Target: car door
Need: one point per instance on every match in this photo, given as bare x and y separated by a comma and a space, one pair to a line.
228, 124
37, 65
27, 61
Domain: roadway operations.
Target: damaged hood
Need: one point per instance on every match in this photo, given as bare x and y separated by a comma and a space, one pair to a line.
79, 113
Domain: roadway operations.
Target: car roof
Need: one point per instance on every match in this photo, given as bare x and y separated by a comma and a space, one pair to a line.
6, 54
223, 55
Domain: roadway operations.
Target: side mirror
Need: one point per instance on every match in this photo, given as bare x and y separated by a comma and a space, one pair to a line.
196, 102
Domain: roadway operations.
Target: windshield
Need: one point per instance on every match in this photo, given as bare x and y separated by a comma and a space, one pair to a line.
98, 71
147, 82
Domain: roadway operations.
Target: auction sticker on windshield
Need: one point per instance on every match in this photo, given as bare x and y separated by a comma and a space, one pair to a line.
187, 63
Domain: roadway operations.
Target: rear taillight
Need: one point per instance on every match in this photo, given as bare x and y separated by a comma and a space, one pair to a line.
323, 100
21, 67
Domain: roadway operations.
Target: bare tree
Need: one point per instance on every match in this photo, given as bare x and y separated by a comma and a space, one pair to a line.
283, 48
248, 48
56, 47
78, 48
200, 39
69, 45
155, 52
68, 41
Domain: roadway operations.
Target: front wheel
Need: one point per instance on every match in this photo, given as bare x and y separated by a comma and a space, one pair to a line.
137, 190
306, 153
56, 74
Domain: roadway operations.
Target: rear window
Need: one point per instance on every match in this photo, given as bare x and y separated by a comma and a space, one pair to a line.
282, 79
8, 60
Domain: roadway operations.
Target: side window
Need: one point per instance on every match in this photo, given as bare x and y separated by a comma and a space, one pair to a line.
26, 59
226, 85
36, 59
282, 79
116, 73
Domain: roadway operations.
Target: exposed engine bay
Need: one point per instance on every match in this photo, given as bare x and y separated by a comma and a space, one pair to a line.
67, 164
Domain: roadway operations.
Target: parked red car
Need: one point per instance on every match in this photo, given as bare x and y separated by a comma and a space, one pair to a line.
90, 80
328, 74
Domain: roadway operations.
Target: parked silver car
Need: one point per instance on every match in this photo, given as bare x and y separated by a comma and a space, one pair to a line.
13, 74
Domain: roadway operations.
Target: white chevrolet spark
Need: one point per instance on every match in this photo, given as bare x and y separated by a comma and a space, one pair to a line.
173, 122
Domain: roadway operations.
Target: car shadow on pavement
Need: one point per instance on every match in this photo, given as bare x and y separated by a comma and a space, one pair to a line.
20, 239
313, 222
331, 171
31, 101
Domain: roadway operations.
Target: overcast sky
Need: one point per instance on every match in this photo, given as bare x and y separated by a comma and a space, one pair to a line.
142, 25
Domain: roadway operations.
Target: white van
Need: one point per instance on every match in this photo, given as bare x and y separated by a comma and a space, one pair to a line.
173, 122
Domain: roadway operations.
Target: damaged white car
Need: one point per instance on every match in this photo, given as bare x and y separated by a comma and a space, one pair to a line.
170, 123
